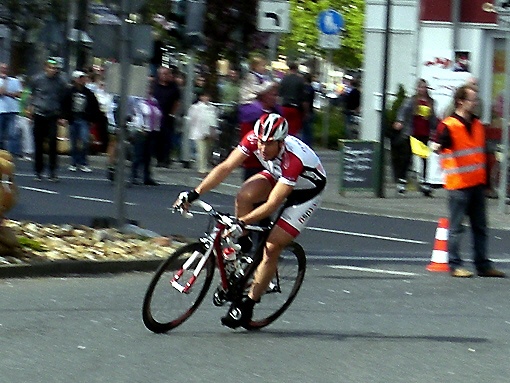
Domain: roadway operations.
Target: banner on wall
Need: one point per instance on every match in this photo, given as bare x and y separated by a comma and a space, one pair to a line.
444, 72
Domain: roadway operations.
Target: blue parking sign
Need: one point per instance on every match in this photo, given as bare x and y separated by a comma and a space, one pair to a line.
330, 22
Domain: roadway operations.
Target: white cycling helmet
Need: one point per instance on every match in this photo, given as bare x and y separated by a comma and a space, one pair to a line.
271, 127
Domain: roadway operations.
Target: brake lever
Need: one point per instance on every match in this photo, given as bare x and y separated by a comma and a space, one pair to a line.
184, 213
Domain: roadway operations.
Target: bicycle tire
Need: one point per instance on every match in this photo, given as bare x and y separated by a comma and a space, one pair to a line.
164, 307
284, 288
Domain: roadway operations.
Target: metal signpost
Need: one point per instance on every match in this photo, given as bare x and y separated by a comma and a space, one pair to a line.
273, 16
330, 24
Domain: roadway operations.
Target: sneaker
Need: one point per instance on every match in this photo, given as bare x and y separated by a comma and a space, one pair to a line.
239, 314
401, 186
53, 178
491, 273
150, 182
38, 177
85, 169
71, 168
461, 273
427, 191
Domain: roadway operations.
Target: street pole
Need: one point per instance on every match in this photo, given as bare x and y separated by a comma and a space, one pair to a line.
121, 134
273, 43
325, 120
383, 122
70, 62
503, 174
188, 100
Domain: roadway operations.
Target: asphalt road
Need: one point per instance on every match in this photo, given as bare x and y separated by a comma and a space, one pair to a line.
368, 310
345, 326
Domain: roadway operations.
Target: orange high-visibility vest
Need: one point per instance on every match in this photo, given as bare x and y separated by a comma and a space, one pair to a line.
464, 163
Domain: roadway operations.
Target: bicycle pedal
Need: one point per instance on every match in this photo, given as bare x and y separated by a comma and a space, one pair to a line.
219, 298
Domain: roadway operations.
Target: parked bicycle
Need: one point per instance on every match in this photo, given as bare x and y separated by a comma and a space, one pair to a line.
182, 281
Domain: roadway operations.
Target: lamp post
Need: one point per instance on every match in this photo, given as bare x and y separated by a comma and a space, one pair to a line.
383, 122
503, 12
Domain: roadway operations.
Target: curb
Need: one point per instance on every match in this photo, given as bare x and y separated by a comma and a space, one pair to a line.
77, 268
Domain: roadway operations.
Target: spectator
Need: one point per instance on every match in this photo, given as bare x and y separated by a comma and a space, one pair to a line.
292, 91
254, 81
416, 117
229, 92
461, 142
106, 121
198, 87
46, 108
23, 121
167, 93
266, 102
80, 108
351, 107
147, 121
203, 120
10, 91
309, 117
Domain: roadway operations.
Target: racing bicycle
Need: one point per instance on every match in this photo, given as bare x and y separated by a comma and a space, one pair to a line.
182, 281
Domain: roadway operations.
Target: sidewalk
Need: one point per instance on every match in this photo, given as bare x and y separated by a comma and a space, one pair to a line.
412, 205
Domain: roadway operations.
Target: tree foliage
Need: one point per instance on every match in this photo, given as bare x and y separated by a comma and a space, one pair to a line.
304, 35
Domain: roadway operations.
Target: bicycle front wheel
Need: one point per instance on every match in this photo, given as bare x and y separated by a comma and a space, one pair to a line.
283, 287
164, 306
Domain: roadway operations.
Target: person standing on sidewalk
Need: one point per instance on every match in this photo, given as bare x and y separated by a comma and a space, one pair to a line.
147, 120
265, 103
167, 93
203, 121
292, 93
417, 118
80, 108
461, 143
48, 89
10, 91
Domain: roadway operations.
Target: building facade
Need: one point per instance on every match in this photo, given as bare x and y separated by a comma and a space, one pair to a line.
443, 41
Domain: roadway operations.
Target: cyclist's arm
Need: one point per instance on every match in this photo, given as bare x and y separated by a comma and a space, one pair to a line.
276, 198
221, 171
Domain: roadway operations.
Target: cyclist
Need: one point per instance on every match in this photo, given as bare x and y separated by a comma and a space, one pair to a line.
293, 176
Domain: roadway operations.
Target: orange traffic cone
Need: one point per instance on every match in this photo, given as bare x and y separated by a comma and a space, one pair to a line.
439, 261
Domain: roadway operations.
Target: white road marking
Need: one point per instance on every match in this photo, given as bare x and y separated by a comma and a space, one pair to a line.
38, 190
369, 270
98, 200
367, 235
368, 259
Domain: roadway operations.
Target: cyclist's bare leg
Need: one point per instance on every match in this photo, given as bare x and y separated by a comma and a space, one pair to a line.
254, 190
277, 241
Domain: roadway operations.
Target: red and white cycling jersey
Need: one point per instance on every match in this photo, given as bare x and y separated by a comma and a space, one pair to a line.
296, 165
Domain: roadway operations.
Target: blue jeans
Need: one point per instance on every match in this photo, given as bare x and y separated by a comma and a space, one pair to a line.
7, 133
79, 134
471, 202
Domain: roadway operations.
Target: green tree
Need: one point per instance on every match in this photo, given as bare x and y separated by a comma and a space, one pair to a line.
305, 34
24, 18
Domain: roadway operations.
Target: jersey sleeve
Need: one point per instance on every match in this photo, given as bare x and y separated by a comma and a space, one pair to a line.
248, 144
292, 167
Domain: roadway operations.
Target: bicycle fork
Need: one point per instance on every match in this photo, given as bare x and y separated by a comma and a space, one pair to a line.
186, 287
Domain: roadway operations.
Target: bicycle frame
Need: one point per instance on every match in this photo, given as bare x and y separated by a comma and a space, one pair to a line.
212, 241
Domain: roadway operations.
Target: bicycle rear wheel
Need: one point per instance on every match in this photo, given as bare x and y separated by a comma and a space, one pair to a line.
283, 287
165, 307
